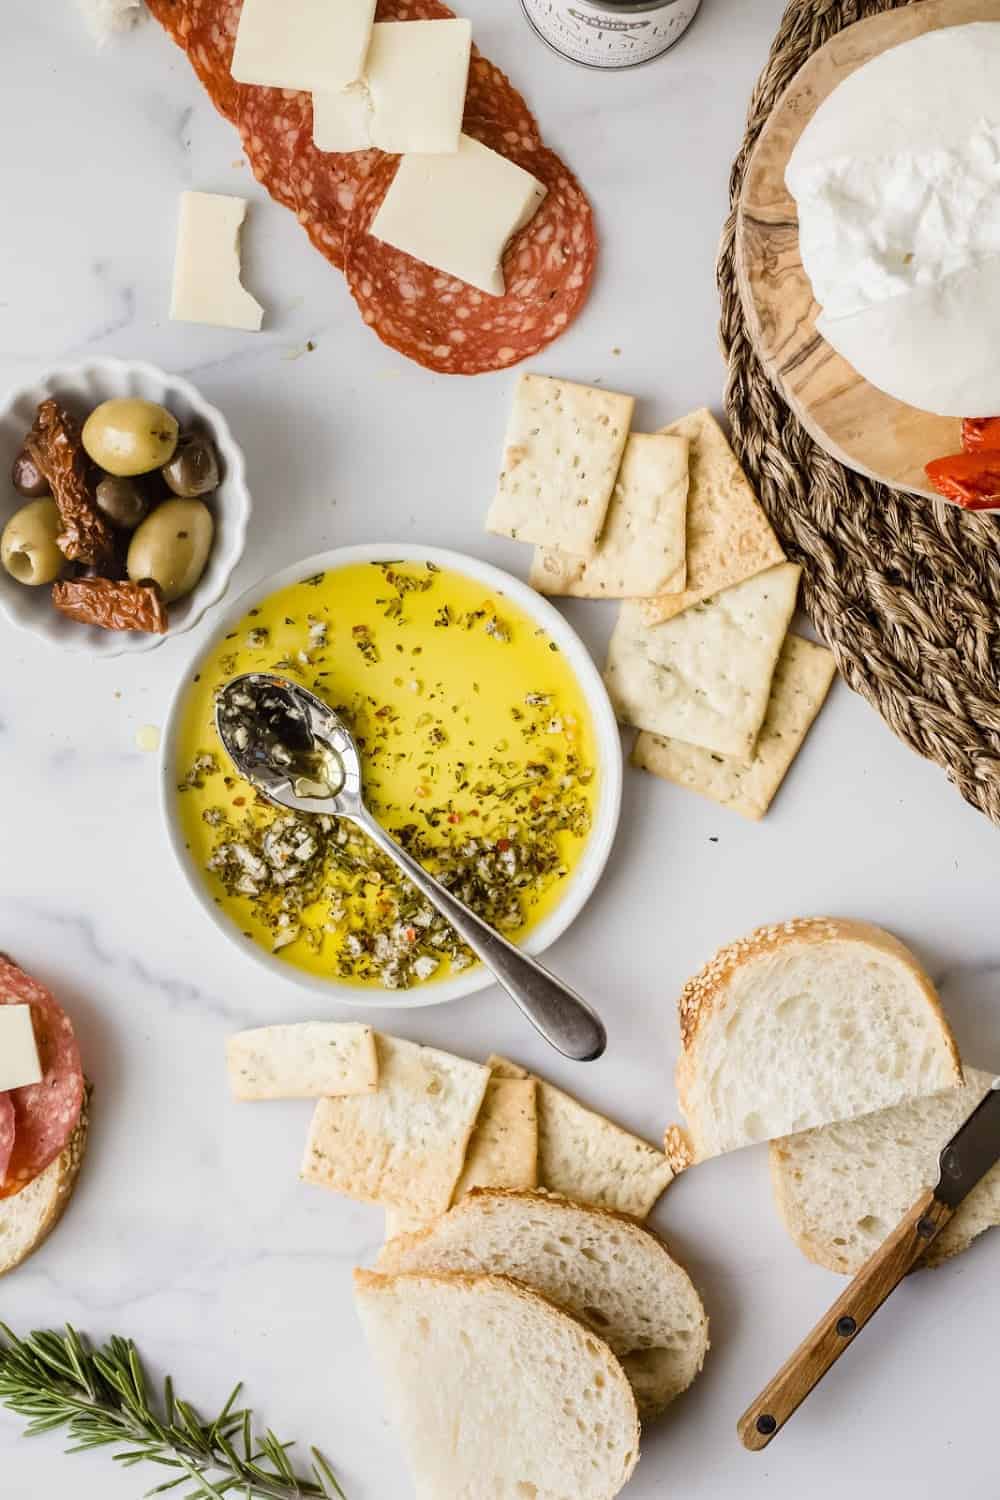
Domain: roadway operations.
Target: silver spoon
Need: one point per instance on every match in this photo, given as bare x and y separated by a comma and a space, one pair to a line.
299, 755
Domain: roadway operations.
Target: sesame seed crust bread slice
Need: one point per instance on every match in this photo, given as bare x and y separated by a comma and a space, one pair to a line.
607, 1270
842, 1189
802, 1024
497, 1393
29, 1217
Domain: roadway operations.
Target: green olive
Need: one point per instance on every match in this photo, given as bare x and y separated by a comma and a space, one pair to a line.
28, 547
27, 478
122, 501
172, 546
194, 468
128, 436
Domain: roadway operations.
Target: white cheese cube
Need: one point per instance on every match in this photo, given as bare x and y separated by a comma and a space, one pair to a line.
207, 287
412, 94
19, 1060
302, 44
458, 212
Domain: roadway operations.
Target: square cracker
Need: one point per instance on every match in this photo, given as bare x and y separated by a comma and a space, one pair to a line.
801, 682
705, 676
311, 1060
503, 1147
561, 457
588, 1158
403, 1146
641, 549
502, 1150
729, 538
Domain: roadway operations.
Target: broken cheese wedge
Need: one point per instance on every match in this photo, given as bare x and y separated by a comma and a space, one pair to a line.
207, 286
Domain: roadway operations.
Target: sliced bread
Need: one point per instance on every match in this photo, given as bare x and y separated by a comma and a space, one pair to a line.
841, 1190
803, 1024
497, 1393
29, 1217
605, 1269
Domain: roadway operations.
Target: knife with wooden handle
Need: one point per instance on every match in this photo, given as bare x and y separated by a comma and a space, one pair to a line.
969, 1155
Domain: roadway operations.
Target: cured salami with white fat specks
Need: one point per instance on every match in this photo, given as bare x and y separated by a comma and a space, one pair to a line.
442, 323
46, 1113
8, 1129
449, 326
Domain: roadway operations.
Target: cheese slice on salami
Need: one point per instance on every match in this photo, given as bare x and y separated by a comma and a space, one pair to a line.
19, 1060
411, 96
315, 44
457, 212
897, 185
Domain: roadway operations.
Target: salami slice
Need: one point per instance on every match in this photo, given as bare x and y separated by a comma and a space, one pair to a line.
46, 1113
449, 326
276, 130
8, 1130
325, 186
490, 95
210, 42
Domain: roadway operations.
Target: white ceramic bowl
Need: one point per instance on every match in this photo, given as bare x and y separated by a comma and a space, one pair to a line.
595, 855
82, 387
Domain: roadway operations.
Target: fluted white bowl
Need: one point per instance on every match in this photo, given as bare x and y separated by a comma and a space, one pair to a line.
81, 387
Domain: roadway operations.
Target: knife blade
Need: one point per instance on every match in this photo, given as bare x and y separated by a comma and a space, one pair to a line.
972, 1151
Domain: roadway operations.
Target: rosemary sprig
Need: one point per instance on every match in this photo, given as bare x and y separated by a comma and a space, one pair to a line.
102, 1398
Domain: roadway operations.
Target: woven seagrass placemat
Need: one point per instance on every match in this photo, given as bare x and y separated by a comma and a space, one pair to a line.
905, 591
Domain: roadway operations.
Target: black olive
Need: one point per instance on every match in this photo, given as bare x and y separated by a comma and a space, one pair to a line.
28, 478
194, 468
122, 501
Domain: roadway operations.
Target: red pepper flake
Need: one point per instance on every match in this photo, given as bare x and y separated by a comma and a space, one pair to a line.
502, 846
239, 802
454, 817
410, 934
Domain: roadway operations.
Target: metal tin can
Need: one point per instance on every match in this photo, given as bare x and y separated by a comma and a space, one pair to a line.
610, 33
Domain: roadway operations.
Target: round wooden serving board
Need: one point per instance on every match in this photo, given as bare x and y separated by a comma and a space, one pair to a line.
857, 424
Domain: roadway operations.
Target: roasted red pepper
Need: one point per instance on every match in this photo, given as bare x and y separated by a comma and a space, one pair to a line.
980, 433
971, 480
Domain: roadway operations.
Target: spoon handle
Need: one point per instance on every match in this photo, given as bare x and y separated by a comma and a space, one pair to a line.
564, 1020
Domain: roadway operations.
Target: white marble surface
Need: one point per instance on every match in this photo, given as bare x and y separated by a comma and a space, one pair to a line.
189, 1230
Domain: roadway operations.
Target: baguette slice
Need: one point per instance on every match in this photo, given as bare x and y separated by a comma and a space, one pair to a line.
604, 1268
29, 1217
803, 1024
841, 1190
496, 1392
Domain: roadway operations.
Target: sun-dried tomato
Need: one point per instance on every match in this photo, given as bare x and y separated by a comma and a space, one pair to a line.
55, 445
112, 605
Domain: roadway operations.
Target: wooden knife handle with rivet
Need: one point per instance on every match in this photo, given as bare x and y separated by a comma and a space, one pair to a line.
874, 1283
